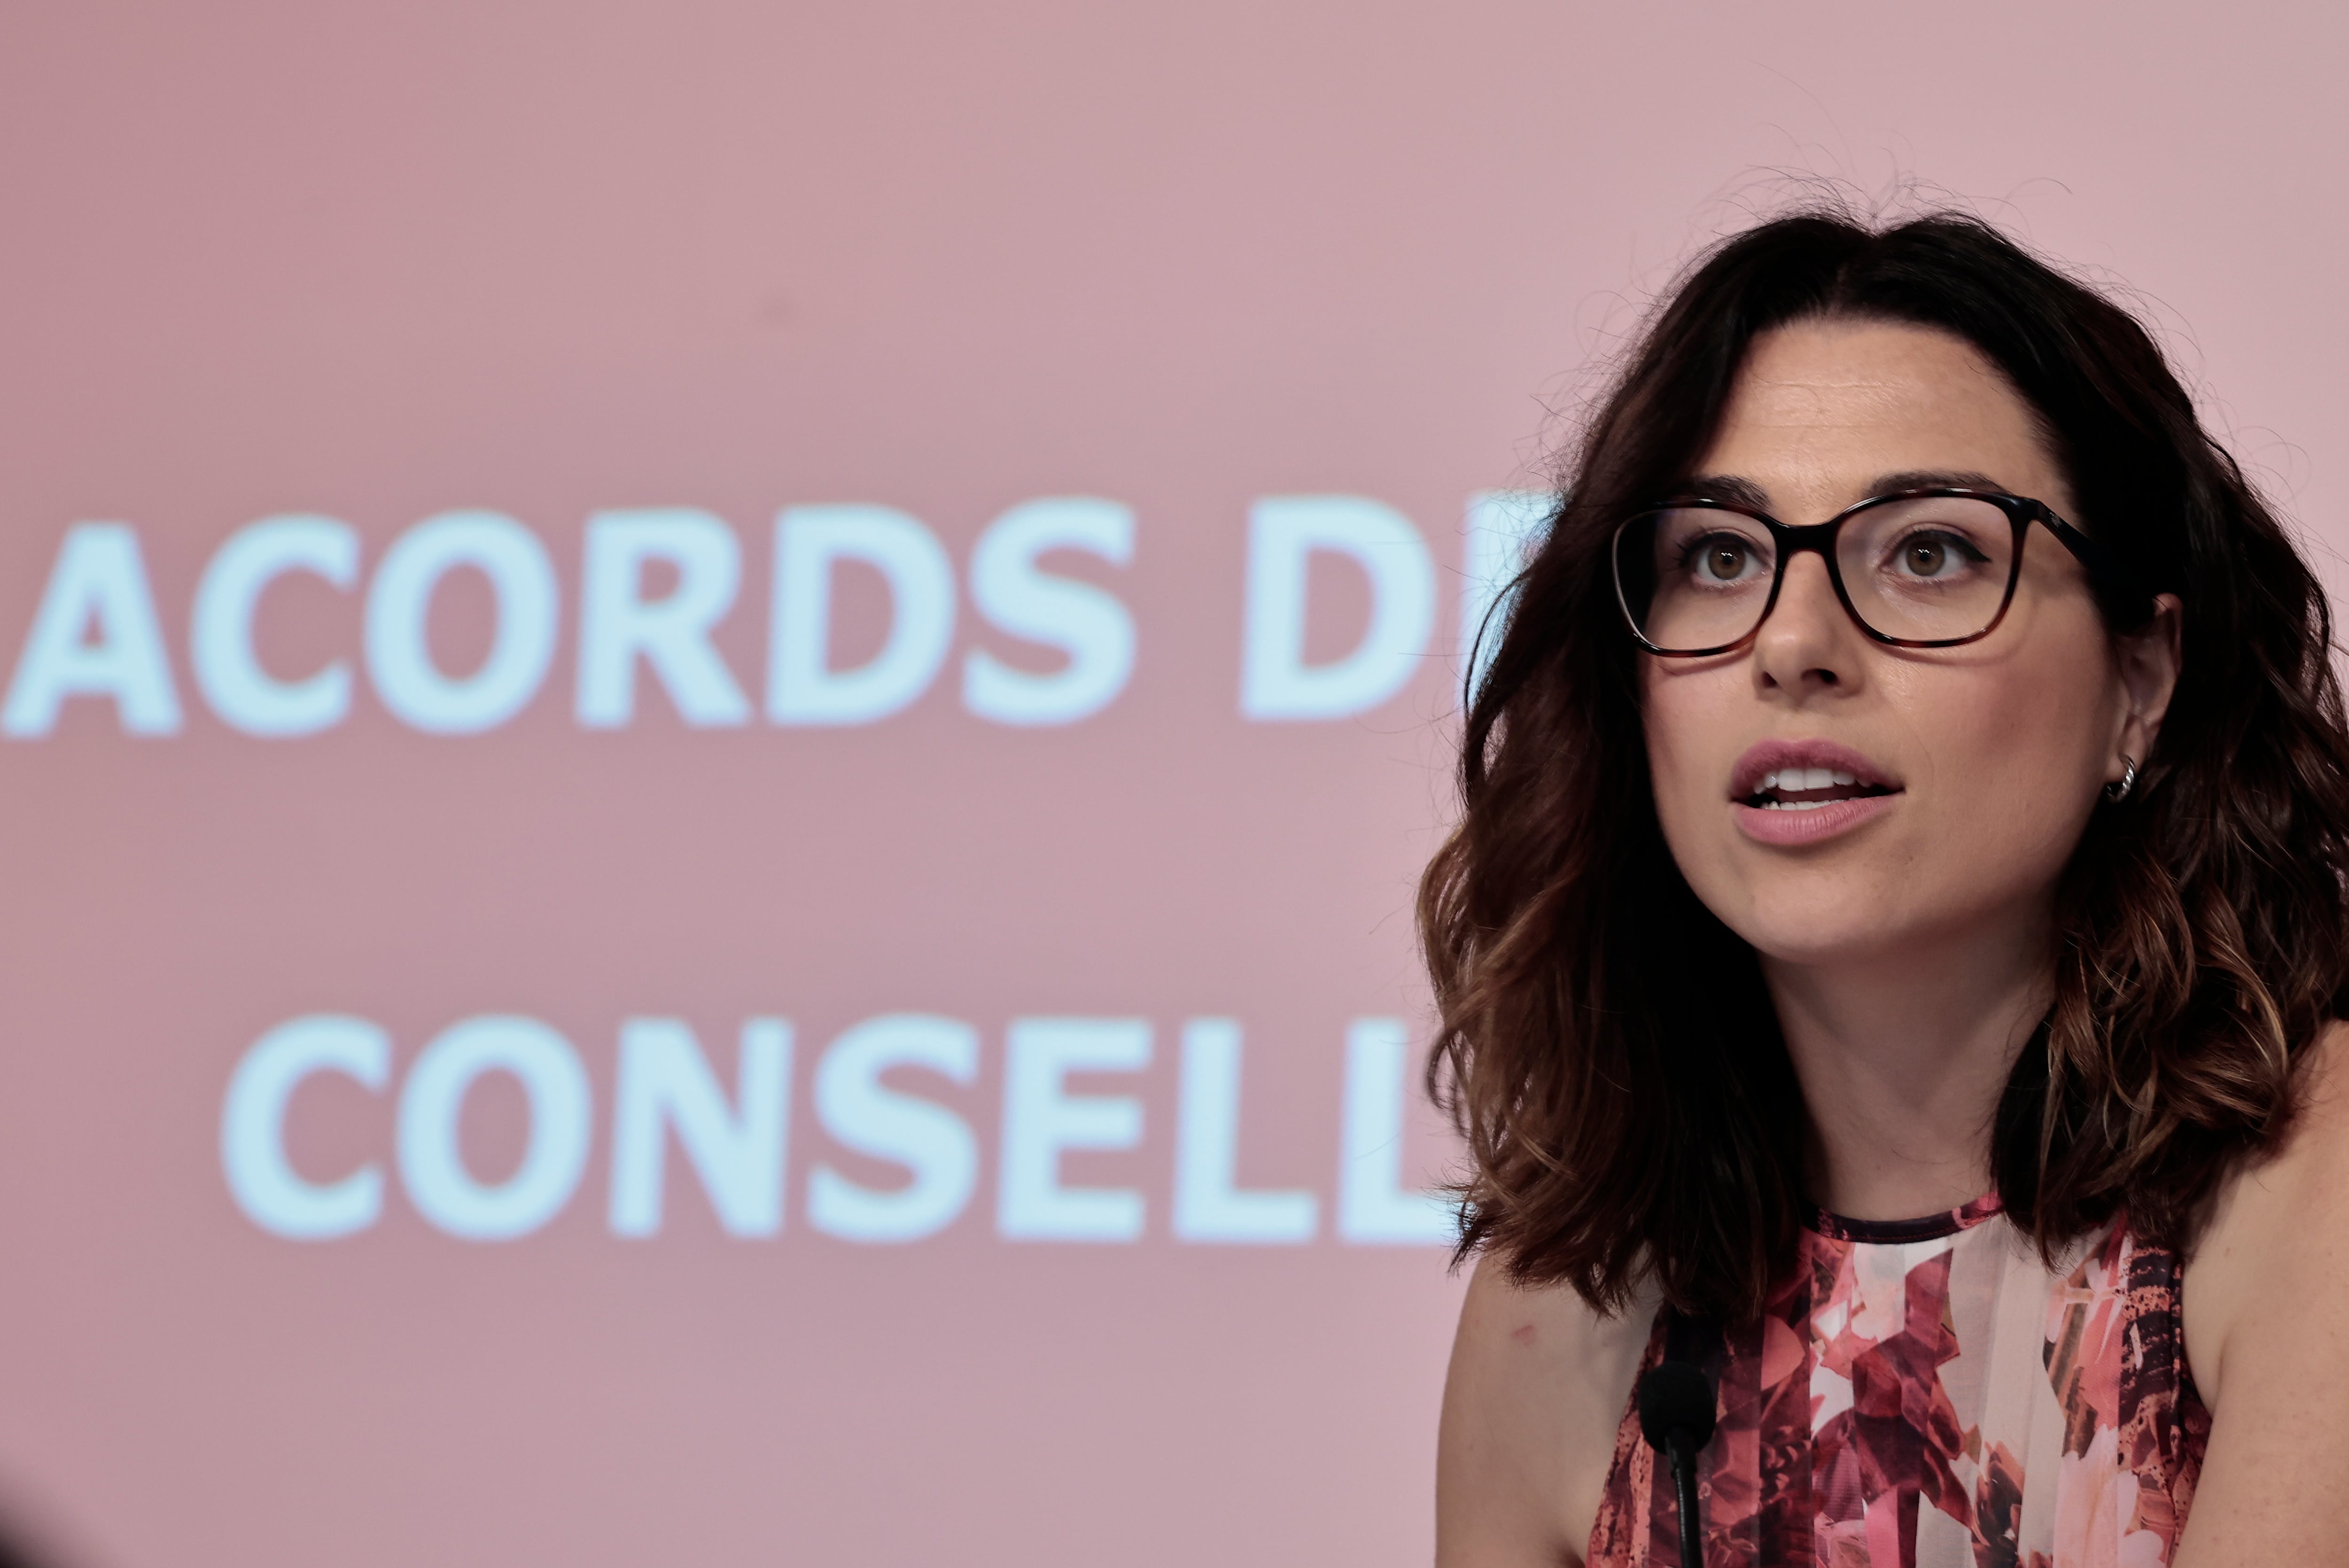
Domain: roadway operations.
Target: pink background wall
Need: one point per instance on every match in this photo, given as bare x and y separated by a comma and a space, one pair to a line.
377, 264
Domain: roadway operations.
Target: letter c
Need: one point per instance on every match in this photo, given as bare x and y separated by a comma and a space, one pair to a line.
252, 1127
239, 690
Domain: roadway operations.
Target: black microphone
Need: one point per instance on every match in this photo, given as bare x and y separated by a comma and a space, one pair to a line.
1676, 1416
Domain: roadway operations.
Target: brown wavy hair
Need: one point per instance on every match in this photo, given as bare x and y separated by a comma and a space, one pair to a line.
1606, 1045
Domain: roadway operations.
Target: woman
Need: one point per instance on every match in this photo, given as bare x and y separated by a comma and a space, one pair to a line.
1911, 783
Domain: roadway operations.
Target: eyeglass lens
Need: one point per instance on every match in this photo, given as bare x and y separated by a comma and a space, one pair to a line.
1921, 569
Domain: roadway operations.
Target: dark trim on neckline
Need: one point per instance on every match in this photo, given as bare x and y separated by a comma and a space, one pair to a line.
1897, 1232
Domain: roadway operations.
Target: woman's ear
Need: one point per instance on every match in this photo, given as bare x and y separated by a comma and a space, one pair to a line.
2149, 658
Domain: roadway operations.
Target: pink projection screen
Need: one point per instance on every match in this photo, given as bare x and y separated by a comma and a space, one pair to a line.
718, 718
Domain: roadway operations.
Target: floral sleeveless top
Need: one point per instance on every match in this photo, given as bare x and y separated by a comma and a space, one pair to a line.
1928, 1394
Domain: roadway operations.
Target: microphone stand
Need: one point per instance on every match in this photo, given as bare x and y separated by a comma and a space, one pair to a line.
1677, 1409
1682, 1454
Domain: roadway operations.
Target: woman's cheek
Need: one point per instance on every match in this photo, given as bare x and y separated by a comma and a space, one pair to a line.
2008, 771
1689, 780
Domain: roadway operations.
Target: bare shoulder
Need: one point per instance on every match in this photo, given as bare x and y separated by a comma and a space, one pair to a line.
1537, 1385
2271, 1232
2267, 1320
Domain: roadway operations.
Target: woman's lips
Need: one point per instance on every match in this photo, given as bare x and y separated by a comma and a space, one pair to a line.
1796, 792
1791, 825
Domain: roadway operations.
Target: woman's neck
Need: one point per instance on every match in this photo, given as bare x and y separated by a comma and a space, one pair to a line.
1902, 1058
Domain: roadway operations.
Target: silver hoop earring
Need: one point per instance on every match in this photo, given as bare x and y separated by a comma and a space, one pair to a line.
2119, 791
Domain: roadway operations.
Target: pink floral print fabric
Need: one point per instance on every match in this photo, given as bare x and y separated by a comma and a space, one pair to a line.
1929, 1394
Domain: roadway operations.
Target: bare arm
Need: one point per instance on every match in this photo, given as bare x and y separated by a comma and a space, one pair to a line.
2266, 1333
1538, 1385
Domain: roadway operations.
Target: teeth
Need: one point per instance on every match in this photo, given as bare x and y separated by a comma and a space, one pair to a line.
1805, 778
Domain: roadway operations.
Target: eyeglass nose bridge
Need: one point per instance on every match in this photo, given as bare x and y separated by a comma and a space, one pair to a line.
1788, 541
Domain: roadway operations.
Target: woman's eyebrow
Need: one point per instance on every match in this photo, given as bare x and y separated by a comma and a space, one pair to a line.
1730, 488
1745, 492
1934, 478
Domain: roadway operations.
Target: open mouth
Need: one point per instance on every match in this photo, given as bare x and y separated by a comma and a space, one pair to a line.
1808, 789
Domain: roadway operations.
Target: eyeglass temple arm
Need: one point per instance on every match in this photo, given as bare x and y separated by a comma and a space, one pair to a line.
2126, 587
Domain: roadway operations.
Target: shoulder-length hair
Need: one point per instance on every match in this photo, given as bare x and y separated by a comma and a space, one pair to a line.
1606, 1044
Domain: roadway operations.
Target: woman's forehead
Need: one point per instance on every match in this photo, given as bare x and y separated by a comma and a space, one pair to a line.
1823, 411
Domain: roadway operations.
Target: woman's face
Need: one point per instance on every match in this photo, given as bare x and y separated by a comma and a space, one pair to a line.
1974, 769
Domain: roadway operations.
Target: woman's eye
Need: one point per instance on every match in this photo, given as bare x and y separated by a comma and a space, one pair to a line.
1933, 555
1723, 558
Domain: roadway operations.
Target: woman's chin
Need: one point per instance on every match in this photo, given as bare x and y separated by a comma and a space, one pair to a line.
1824, 926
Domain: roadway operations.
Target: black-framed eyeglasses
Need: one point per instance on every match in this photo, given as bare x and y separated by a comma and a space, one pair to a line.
1917, 569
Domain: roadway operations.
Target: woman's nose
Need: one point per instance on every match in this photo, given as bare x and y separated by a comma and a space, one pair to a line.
1807, 641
